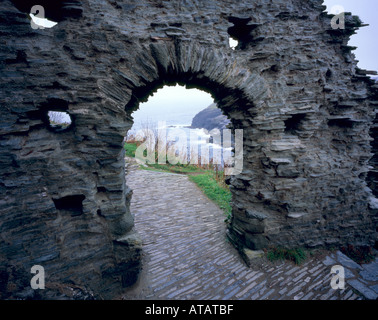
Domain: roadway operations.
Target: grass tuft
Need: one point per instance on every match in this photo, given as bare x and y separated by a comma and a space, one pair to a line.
208, 178
359, 254
214, 190
297, 255
130, 149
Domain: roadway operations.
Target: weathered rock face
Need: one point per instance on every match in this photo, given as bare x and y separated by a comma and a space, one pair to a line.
292, 86
372, 178
210, 118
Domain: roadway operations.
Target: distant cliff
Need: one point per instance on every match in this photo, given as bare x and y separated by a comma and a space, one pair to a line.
210, 118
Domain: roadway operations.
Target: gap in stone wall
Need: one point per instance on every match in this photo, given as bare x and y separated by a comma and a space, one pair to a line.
241, 31
70, 204
175, 108
59, 121
294, 123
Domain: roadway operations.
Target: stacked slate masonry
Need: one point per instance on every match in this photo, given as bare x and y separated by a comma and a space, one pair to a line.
292, 84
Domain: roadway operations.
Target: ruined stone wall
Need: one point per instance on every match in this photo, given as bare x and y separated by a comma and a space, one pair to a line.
292, 85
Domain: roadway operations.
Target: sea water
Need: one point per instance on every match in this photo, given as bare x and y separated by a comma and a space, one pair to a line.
197, 146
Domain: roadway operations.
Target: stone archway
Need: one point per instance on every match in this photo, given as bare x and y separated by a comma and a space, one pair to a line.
292, 85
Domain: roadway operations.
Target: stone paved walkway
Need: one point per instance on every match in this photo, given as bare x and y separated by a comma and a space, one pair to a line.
187, 255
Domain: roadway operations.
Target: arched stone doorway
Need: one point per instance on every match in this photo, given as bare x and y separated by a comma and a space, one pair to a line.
216, 73
292, 85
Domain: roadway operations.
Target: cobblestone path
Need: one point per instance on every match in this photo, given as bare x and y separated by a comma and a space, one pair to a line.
187, 255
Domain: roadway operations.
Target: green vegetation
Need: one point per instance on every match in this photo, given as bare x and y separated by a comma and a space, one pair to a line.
177, 168
207, 178
130, 149
359, 254
297, 255
214, 190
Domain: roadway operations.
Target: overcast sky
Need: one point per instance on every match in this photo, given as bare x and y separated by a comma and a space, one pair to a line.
366, 38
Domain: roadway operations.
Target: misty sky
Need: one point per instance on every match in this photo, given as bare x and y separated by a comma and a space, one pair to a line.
366, 38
